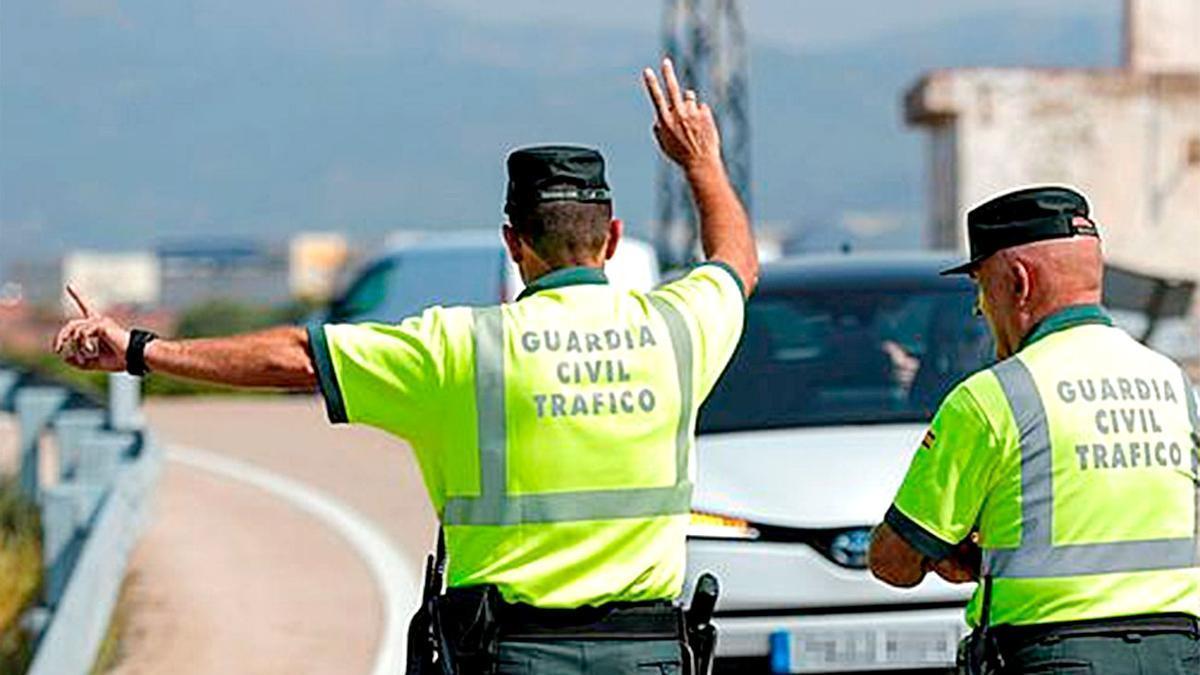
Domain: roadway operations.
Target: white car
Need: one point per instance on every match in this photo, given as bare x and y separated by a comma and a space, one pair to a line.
802, 447
469, 267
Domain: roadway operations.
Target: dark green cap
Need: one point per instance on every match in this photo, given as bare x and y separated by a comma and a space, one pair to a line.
548, 173
1022, 217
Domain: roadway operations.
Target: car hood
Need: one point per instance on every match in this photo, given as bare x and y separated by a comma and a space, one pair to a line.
817, 477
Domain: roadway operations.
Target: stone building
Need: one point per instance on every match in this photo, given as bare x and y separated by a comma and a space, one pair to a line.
1128, 137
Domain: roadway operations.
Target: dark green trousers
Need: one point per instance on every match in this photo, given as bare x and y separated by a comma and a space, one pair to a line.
1131, 654
591, 657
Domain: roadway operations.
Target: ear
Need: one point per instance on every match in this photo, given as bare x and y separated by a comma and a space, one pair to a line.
1022, 281
615, 229
512, 241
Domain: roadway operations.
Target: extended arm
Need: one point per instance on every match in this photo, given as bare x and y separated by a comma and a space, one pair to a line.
276, 357
688, 134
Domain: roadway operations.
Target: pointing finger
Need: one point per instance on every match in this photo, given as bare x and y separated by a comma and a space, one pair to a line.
79, 301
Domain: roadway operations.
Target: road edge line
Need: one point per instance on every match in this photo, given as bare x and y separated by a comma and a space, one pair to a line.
395, 579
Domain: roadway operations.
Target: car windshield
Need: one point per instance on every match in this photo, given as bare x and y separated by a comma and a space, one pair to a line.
832, 357
364, 295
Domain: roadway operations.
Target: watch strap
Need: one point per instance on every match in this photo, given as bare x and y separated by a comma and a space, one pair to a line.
135, 353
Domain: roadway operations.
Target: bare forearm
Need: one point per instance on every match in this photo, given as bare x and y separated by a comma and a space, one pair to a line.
724, 226
893, 560
277, 357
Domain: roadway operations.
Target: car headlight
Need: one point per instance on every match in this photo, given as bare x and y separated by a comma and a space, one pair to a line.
849, 547
716, 526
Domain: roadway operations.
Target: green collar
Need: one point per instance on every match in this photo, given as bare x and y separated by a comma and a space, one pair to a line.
1067, 317
566, 276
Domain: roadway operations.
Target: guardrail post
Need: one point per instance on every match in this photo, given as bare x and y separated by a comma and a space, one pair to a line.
35, 407
70, 428
8, 387
67, 511
101, 453
125, 402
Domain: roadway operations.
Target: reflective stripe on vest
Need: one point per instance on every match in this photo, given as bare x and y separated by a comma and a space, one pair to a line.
494, 506
1194, 414
1037, 556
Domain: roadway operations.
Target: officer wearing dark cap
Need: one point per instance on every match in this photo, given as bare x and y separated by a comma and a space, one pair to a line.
550, 173
1065, 477
555, 434
1022, 217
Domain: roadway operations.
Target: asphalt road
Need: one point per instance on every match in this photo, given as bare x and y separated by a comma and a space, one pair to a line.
231, 578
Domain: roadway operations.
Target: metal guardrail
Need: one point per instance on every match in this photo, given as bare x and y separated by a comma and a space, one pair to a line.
92, 515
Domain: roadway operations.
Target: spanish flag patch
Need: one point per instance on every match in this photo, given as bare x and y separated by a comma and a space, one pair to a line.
927, 442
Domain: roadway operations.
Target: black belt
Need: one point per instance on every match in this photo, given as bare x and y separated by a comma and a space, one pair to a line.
1014, 637
653, 620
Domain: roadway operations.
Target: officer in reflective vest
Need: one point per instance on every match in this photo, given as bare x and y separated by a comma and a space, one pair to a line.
555, 434
1066, 474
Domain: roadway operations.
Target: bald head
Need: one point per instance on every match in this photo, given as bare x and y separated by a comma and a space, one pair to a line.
1024, 284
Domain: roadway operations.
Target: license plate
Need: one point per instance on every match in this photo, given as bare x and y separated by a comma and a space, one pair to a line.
816, 650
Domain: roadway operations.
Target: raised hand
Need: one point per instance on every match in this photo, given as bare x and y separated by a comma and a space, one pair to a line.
93, 342
685, 127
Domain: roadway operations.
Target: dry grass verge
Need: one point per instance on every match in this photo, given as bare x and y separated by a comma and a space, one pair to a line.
111, 650
20, 575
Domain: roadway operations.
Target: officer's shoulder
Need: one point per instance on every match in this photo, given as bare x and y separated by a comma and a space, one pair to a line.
438, 318
972, 393
984, 377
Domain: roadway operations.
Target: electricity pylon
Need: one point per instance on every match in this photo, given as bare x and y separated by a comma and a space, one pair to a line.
707, 41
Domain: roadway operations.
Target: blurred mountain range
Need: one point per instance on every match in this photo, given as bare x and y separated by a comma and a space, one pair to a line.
122, 129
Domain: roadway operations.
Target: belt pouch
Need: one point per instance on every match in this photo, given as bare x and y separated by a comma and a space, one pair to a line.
468, 630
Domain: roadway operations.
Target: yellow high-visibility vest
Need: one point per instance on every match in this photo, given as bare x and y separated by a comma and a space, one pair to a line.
555, 434
1076, 461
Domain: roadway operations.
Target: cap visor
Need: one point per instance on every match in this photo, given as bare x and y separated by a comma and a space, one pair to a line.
964, 268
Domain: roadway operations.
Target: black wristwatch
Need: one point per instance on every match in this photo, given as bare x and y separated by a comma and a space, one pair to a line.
135, 353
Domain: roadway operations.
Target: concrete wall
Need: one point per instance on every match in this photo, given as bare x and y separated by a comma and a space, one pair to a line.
1162, 35
1129, 140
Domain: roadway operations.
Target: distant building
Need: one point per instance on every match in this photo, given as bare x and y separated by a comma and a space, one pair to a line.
315, 263
127, 278
209, 268
1128, 137
37, 282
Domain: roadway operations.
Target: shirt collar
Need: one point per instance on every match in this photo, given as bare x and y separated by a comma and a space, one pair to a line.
1067, 317
566, 276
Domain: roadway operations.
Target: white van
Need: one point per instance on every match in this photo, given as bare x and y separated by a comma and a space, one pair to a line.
419, 270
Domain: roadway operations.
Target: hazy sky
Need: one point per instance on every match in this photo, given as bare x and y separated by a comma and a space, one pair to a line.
128, 122
795, 23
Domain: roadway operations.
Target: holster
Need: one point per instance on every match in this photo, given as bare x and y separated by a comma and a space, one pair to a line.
425, 651
468, 630
701, 633
979, 653
421, 657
